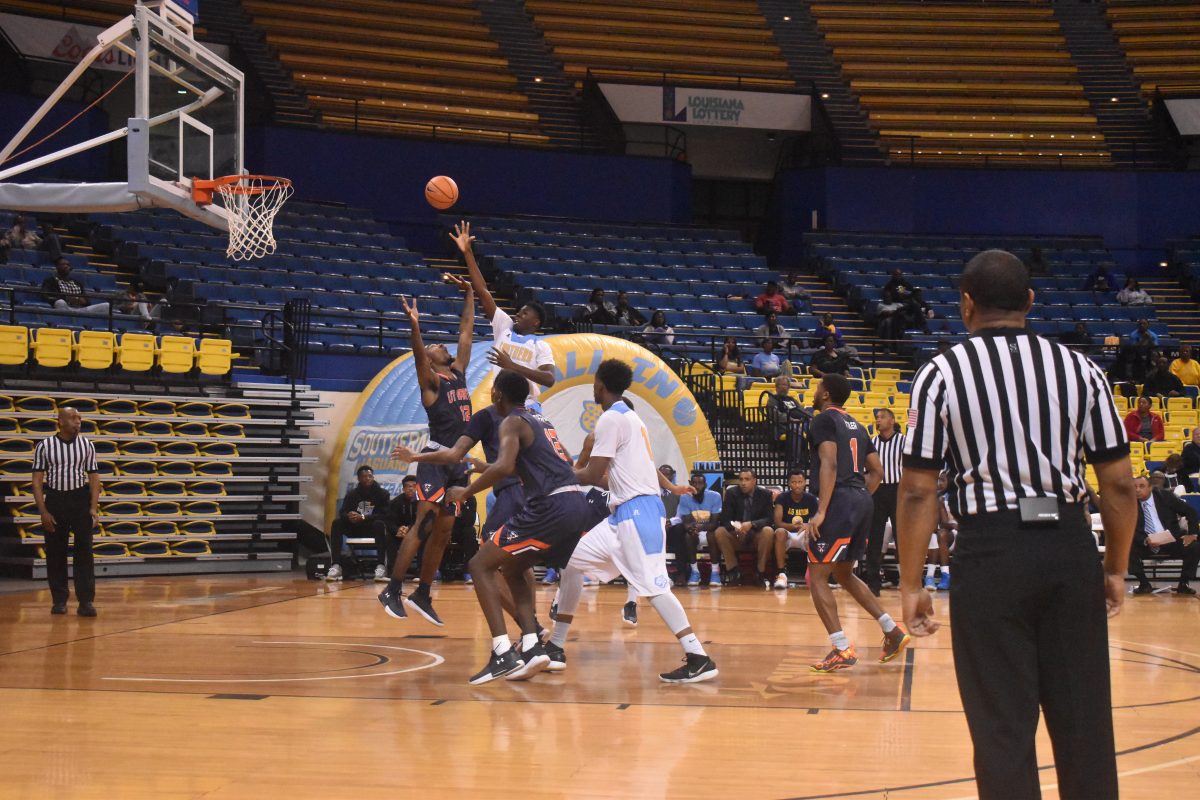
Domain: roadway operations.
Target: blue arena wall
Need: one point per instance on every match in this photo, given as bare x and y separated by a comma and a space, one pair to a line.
91, 165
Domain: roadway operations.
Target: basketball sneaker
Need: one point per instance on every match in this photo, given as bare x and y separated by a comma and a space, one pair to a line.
498, 666
381, 575
629, 614
781, 581
696, 667
944, 583
334, 573
694, 577
393, 604
558, 658
893, 644
423, 605
836, 660
534, 660
550, 577
930, 584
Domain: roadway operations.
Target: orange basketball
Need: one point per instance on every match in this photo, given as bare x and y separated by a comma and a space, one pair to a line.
441, 192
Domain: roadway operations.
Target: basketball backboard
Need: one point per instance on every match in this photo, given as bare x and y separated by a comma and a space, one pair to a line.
187, 123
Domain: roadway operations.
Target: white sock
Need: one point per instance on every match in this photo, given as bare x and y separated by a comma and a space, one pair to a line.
528, 640
631, 596
930, 569
692, 645
558, 637
946, 570
887, 623
839, 640
672, 613
501, 644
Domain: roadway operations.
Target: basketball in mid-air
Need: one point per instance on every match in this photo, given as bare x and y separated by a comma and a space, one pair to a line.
441, 192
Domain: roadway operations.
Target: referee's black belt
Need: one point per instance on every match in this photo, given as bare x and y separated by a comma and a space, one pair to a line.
1070, 516
61, 492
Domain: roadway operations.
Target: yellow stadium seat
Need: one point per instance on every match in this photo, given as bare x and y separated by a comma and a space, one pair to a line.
1158, 451
232, 410
177, 354
52, 347
14, 344
215, 356
1180, 404
887, 374
874, 400
16, 447
1188, 417
136, 352
95, 349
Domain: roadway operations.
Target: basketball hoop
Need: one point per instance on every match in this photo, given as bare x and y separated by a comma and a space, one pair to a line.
251, 203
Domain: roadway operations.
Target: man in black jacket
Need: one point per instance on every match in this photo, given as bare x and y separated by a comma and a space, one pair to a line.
402, 513
1159, 511
363, 513
65, 293
747, 517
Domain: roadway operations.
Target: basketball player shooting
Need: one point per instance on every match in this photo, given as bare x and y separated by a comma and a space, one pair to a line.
842, 454
447, 403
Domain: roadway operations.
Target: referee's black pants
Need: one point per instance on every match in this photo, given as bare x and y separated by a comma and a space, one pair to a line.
72, 515
1029, 629
885, 509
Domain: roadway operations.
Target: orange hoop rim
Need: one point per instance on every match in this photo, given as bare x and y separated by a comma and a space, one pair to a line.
203, 189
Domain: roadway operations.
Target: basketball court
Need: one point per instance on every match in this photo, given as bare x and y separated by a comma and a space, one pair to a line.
238, 687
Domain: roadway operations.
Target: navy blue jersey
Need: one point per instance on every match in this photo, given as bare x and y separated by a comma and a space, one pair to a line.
451, 411
853, 447
544, 466
484, 428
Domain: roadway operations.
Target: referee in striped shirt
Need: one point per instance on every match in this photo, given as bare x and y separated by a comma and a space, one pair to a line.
66, 487
1012, 416
889, 443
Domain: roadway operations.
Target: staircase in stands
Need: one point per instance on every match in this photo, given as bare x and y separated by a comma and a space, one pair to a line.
854, 331
1176, 308
811, 61
1112, 91
538, 73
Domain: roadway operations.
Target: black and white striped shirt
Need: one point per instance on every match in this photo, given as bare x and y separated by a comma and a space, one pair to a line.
891, 452
1011, 415
66, 464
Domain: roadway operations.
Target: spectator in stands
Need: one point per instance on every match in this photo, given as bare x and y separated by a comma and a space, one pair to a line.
889, 320
699, 513
773, 300
363, 514
657, 331
899, 286
1101, 280
916, 313
401, 514
1185, 367
796, 294
825, 327
599, 311
1077, 336
1143, 425
1133, 295
730, 359
828, 361
771, 329
782, 408
1173, 473
1191, 461
627, 315
1161, 382
747, 516
670, 501
1158, 533
19, 236
766, 364
65, 293
134, 302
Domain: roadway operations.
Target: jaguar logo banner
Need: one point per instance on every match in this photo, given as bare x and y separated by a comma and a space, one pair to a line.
390, 412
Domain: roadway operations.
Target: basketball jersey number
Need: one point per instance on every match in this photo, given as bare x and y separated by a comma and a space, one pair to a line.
854, 454
646, 439
552, 435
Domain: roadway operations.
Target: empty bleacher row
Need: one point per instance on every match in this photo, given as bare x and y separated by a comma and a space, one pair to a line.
400, 67
1161, 41
194, 480
959, 83
711, 42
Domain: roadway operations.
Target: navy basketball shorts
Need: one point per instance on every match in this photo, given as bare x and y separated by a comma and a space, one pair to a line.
434, 479
845, 529
548, 527
508, 501
597, 512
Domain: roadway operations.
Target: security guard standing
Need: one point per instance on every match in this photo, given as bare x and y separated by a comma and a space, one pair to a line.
1012, 417
66, 488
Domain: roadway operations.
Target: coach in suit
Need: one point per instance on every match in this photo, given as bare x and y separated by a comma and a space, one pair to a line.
1160, 510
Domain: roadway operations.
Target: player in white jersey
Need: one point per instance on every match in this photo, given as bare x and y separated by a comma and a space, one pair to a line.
633, 541
515, 343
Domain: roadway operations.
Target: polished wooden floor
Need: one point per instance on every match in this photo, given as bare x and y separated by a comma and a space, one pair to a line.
272, 687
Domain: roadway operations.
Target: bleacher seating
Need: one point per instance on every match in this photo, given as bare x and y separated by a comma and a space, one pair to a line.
958, 83
183, 485
400, 67
711, 42
1161, 41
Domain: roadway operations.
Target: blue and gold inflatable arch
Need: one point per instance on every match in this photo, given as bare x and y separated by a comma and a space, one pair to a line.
390, 412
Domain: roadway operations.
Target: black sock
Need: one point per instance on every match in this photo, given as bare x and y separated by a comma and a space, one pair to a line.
422, 589
394, 586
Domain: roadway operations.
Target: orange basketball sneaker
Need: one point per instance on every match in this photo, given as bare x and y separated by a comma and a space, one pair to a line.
837, 660
893, 644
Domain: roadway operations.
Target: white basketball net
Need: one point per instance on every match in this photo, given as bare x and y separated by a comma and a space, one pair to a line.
252, 203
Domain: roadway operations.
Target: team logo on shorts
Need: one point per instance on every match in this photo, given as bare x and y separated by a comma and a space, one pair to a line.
660, 582
590, 415
428, 488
